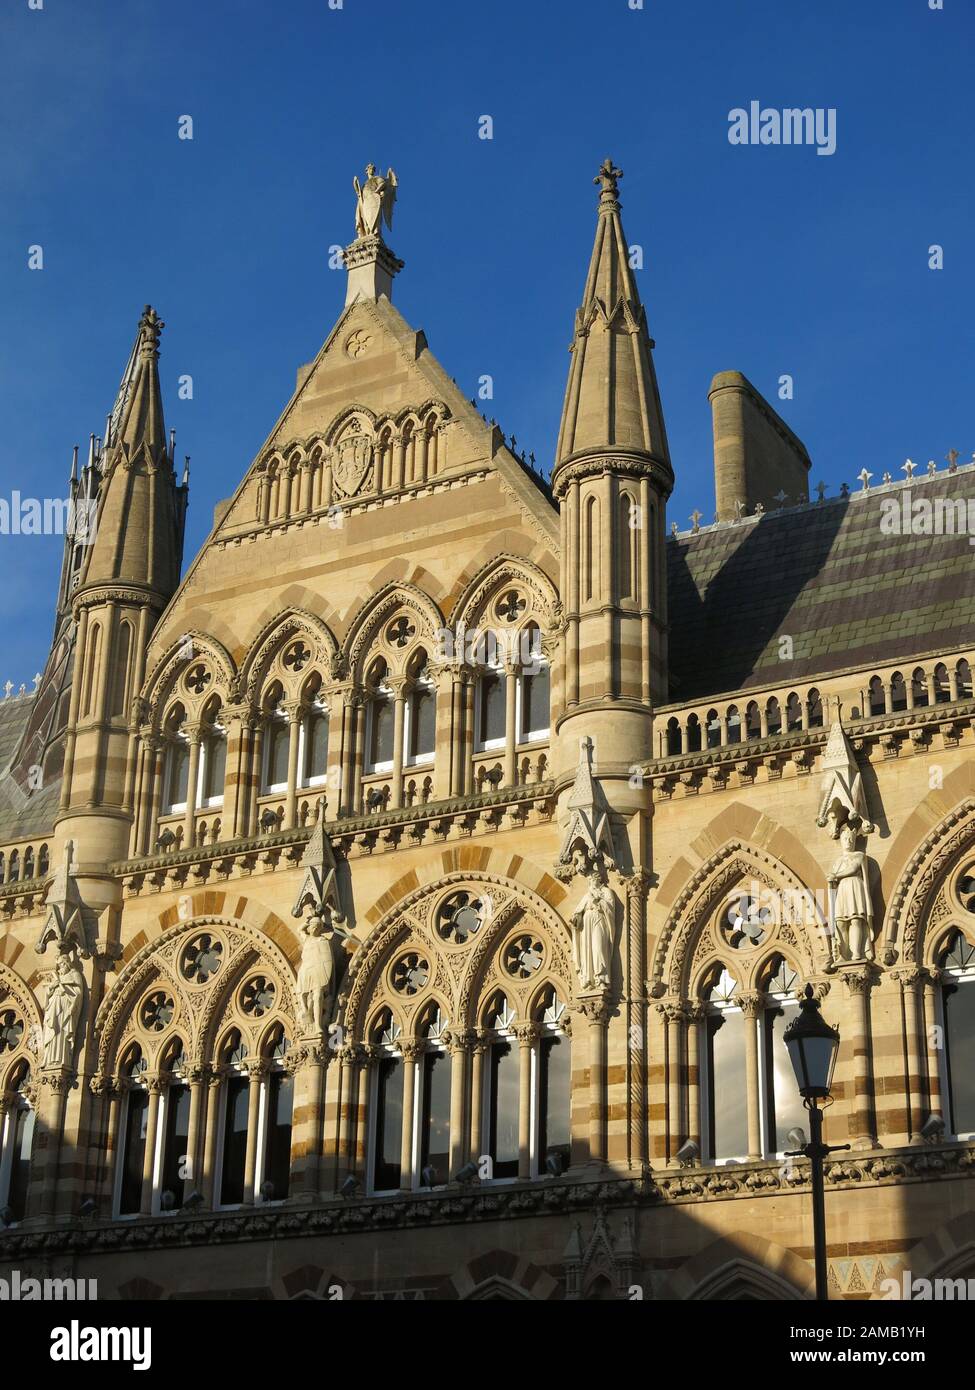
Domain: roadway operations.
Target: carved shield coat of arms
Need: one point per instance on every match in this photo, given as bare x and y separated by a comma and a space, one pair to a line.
353, 455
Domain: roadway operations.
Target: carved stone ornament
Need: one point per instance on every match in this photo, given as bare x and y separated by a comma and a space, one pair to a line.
843, 798
319, 902
352, 457
68, 922
588, 841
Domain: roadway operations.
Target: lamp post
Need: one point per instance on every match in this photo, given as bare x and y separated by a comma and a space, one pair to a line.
813, 1046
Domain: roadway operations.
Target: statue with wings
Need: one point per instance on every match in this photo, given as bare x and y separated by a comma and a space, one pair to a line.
375, 199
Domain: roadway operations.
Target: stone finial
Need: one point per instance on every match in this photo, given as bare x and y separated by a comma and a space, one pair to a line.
932, 468
150, 327
820, 491
952, 457
607, 178
843, 797
695, 520
588, 841
908, 467
863, 478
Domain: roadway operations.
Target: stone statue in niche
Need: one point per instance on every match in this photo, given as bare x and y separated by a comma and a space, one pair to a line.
316, 973
592, 933
851, 909
62, 1010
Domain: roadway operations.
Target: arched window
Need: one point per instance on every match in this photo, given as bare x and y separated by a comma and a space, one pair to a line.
314, 750
502, 1091
120, 669
175, 1118
942, 685
773, 712
814, 706
274, 1170
213, 761
134, 1120
753, 720
91, 666
236, 1105
176, 768
713, 728
626, 546
898, 692
782, 1108
43, 862
29, 862
16, 1145
590, 552
693, 734
734, 724
793, 713
420, 738
919, 685
957, 961
380, 721
877, 696
386, 1107
14, 875
963, 675
491, 704
723, 1087
3, 867
277, 739
553, 1139
534, 689
674, 738
434, 1108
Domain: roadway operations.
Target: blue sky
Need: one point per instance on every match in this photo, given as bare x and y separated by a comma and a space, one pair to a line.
766, 260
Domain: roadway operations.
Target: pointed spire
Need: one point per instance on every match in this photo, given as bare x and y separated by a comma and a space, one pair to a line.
138, 537
611, 400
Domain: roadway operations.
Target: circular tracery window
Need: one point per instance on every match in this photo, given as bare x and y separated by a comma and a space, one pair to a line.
523, 956
201, 958
157, 1011
746, 922
410, 973
258, 995
966, 889
459, 917
11, 1031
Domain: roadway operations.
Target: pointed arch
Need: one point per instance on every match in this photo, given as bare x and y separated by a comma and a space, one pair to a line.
272, 638
192, 647
367, 623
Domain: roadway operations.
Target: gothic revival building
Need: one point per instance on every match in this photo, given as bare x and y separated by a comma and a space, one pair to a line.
409, 900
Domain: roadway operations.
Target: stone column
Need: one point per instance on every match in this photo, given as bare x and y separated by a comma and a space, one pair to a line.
197, 1077
910, 980
510, 730
294, 712
858, 981
695, 1017
307, 1133
932, 984
673, 1015
636, 1010
192, 778
52, 1097
211, 1178
459, 1051
478, 1062
256, 1072
595, 1010
411, 1052
751, 1006
399, 729
252, 790
155, 1085
527, 1035
465, 781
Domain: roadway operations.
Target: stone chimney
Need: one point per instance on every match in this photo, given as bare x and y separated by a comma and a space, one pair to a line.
757, 458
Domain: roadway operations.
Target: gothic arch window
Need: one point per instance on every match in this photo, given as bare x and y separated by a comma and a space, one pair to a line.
793, 712
552, 1128
753, 720
674, 738
29, 862
533, 701
782, 1108
234, 1122
898, 692
957, 962
627, 552
734, 724
213, 757
16, 1143
175, 1121
590, 547
432, 1141
420, 733
43, 862
963, 677
501, 1089
919, 685
723, 1081
693, 734
3, 867
877, 697
91, 667
773, 715
176, 768
386, 1106
490, 700
120, 669
313, 752
133, 1129
275, 1118
277, 740
942, 685
712, 727
14, 874
380, 719
814, 706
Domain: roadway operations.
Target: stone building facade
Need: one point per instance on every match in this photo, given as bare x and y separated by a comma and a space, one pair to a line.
408, 901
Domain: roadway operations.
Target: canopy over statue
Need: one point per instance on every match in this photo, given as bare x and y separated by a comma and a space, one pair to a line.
374, 201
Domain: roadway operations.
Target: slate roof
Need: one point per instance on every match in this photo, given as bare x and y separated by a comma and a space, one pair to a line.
825, 575
21, 815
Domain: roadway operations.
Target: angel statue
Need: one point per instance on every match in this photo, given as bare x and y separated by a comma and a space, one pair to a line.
374, 201
852, 910
592, 935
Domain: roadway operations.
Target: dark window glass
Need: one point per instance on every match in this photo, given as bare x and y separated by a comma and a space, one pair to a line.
214, 766
316, 754
277, 753
774, 713
23, 1138
179, 768
554, 1100
423, 722
960, 1036
381, 743
503, 1121
535, 702
726, 1088
435, 1138
277, 1167
492, 719
234, 1141
174, 1142
133, 1151
389, 1124
784, 1107
693, 734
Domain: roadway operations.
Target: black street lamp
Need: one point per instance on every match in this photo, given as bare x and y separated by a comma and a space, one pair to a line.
813, 1046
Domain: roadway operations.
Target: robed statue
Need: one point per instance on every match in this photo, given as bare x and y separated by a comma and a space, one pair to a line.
851, 907
374, 201
316, 972
62, 1010
592, 935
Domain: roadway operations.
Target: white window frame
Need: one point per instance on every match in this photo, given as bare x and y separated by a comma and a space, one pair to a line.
383, 1053
269, 788
547, 1030
123, 1130
174, 808
531, 735
490, 744
422, 759
7, 1154
318, 710
766, 1079
368, 766
501, 1035
263, 1134
208, 803
233, 1074
433, 1045
704, 1093
965, 977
